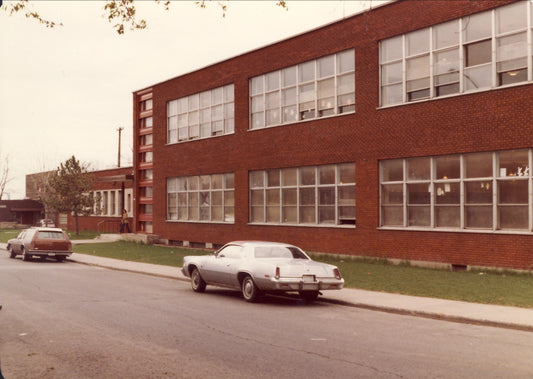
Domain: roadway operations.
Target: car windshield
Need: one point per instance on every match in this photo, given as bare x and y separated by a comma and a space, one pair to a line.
52, 235
279, 252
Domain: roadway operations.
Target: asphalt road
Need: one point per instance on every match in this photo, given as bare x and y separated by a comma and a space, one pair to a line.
65, 320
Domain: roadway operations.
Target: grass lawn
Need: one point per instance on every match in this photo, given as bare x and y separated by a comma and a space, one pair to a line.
489, 287
7, 234
132, 251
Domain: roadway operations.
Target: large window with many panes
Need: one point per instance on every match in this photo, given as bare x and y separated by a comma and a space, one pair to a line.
474, 53
201, 115
477, 191
203, 198
311, 195
318, 88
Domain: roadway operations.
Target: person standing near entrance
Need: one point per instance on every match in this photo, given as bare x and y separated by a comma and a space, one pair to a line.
125, 222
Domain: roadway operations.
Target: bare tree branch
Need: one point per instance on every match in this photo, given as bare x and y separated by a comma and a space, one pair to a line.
4, 175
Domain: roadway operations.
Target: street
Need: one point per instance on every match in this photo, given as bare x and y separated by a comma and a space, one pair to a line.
64, 320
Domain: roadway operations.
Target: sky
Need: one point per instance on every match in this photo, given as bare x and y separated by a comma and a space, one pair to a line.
66, 90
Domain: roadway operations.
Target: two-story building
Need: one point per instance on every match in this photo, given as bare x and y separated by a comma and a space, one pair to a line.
403, 132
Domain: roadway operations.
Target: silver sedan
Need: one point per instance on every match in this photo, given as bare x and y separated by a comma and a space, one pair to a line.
256, 268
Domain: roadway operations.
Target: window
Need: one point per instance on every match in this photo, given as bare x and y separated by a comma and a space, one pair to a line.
146, 139
201, 115
478, 52
478, 191
205, 198
146, 105
146, 157
311, 195
318, 88
146, 122
147, 174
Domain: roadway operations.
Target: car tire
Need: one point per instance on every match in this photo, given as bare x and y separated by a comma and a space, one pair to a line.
25, 257
250, 292
309, 296
197, 283
12, 254
61, 258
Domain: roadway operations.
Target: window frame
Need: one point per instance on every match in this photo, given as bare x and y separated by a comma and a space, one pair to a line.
291, 201
483, 76
470, 194
201, 115
307, 103
210, 200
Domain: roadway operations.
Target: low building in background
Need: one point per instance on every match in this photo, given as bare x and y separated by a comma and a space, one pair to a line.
112, 193
20, 213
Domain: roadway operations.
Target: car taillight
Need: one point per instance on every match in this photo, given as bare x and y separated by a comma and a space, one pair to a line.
337, 273
277, 272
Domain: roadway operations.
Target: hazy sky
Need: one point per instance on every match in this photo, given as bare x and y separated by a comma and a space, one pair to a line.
65, 91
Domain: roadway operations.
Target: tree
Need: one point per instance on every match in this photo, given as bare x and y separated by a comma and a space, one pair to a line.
69, 189
4, 175
120, 12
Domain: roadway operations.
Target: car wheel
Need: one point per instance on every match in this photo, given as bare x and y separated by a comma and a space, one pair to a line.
12, 254
60, 258
25, 257
249, 290
197, 283
309, 296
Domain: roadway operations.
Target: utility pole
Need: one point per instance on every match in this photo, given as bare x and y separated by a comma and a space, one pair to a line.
119, 135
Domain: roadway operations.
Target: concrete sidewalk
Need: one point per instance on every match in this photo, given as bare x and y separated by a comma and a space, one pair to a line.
455, 311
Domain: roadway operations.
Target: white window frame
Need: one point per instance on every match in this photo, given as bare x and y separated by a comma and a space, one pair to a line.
338, 204
261, 96
491, 181
493, 80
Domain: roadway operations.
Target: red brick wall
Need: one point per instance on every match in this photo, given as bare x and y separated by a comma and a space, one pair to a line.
486, 121
92, 222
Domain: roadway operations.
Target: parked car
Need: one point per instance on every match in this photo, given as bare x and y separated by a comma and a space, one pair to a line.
40, 242
256, 268
47, 223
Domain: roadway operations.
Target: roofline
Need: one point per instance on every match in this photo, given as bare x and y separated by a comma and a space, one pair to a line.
147, 88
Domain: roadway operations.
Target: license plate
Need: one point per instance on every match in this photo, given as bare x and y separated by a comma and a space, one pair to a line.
308, 278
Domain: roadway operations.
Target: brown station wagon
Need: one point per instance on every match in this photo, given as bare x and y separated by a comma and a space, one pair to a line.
42, 243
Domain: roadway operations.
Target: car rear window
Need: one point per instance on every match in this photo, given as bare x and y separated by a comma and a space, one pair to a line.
51, 235
278, 252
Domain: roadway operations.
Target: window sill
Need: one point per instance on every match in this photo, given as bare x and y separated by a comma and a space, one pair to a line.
301, 121
200, 222
336, 226
466, 93
456, 230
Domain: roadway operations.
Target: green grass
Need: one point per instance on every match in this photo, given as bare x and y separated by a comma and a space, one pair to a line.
132, 251
7, 234
489, 287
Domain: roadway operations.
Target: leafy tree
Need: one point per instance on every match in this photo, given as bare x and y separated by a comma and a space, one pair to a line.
120, 12
69, 188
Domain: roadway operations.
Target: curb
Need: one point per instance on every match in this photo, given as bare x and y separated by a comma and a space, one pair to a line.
432, 316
